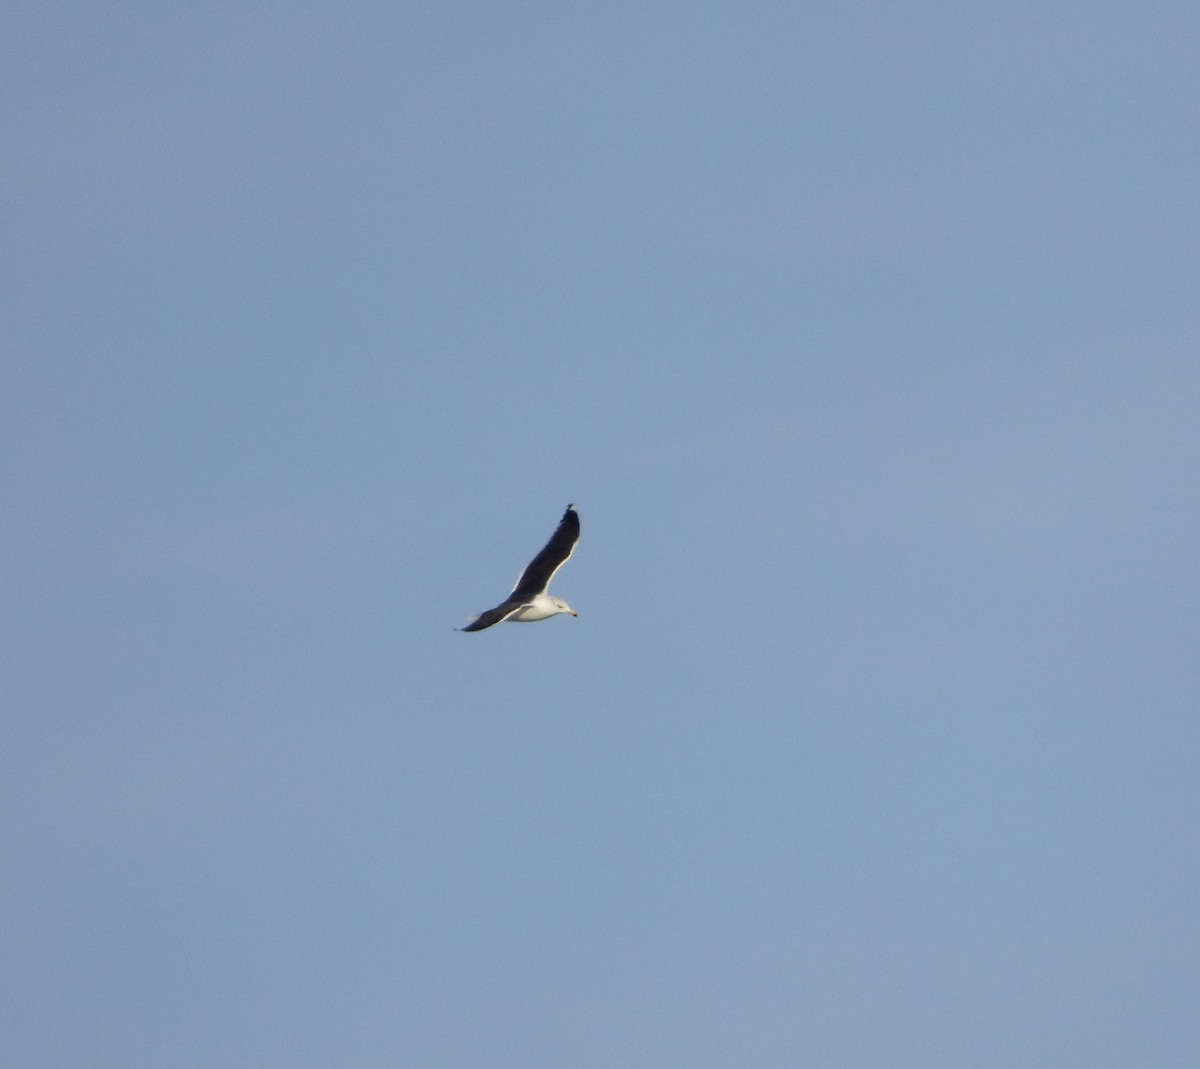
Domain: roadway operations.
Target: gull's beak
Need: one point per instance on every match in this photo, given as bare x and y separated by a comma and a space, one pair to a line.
574, 613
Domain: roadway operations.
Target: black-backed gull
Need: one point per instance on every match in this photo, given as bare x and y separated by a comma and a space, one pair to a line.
529, 600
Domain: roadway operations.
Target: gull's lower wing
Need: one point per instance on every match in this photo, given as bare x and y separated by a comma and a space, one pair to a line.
493, 616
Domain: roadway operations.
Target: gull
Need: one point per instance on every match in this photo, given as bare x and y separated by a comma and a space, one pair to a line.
529, 600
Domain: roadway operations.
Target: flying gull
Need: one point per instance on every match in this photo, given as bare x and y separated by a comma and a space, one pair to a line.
529, 600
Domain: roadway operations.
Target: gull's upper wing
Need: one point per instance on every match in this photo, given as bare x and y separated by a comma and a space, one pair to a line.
555, 553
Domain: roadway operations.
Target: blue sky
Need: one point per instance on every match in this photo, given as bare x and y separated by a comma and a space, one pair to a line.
864, 337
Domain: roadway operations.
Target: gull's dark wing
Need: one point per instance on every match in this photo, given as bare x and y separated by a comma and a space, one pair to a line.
493, 616
536, 577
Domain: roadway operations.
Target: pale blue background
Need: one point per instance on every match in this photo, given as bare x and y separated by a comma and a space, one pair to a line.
866, 338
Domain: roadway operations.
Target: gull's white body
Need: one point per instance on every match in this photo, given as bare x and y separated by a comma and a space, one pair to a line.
540, 607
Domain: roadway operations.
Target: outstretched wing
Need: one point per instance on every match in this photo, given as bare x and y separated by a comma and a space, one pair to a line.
494, 616
555, 553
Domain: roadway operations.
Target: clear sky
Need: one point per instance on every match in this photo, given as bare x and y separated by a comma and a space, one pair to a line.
866, 339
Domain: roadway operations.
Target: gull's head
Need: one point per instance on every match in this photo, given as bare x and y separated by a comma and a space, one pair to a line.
562, 606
